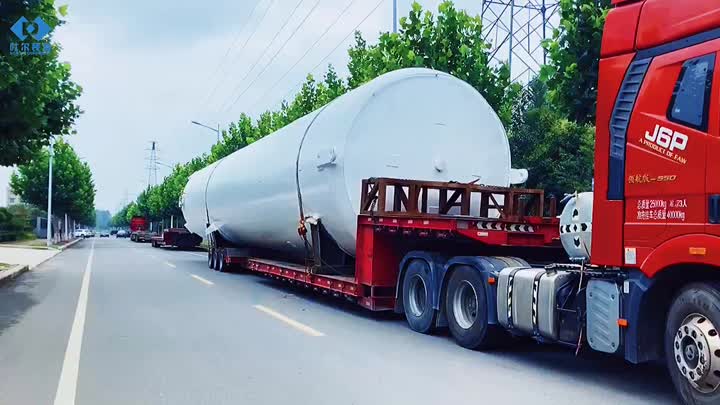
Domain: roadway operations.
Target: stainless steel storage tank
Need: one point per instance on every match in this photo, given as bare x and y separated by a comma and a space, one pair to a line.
411, 123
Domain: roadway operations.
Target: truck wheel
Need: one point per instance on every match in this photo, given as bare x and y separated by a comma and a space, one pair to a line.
466, 310
692, 343
211, 258
417, 302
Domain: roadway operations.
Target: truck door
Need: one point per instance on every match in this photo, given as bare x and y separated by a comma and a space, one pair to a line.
667, 148
712, 174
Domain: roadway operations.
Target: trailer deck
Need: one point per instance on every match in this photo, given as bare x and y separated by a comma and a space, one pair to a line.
468, 217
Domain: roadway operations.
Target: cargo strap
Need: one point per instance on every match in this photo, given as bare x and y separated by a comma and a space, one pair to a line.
302, 231
536, 293
511, 280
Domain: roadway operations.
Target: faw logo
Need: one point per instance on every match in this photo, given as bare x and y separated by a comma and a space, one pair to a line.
667, 138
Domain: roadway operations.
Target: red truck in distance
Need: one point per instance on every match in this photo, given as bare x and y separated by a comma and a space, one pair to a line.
139, 229
631, 269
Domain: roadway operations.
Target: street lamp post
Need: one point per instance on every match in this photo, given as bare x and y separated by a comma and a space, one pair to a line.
395, 16
217, 131
49, 205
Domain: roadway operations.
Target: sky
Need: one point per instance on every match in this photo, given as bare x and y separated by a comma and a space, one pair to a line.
149, 68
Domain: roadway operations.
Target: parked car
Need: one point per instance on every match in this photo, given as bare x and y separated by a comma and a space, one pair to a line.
104, 234
81, 233
114, 232
122, 234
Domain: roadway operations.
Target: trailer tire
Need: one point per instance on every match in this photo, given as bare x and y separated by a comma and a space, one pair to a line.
221, 266
692, 340
216, 259
466, 310
416, 297
211, 258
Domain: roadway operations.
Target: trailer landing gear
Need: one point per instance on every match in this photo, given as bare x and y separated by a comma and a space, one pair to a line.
692, 344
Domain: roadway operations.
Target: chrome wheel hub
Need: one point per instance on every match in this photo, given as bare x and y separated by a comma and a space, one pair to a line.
697, 353
465, 305
417, 295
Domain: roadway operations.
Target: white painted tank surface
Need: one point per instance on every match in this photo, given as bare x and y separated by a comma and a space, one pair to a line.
412, 124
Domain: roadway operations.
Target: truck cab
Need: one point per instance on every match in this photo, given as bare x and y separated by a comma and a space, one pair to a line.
657, 136
656, 202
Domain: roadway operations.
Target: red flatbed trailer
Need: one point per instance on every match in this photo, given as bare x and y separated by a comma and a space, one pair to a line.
641, 276
176, 237
503, 218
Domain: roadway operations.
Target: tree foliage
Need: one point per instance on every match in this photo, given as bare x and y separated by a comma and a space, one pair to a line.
119, 220
73, 186
547, 129
37, 95
557, 152
16, 221
451, 42
574, 54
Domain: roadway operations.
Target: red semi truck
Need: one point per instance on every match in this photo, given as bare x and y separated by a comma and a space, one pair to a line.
139, 230
631, 269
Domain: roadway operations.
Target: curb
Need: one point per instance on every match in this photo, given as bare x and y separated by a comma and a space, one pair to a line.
15, 271
63, 247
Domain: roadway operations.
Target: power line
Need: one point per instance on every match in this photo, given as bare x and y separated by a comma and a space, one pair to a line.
268, 47
232, 44
265, 13
337, 19
274, 56
341, 42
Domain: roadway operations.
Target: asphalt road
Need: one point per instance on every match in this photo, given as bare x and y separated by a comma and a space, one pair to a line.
113, 322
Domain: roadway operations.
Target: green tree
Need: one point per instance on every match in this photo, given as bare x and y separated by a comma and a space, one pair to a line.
451, 42
557, 152
119, 220
73, 187
37, 95
574, 54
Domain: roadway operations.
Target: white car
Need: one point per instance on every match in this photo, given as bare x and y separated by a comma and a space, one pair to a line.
81, 233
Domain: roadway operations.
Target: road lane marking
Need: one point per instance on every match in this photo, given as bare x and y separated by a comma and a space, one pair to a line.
170, 264
196, 254
295, 324
202, 280
67, 385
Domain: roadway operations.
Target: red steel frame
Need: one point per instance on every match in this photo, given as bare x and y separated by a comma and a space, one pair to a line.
381, 231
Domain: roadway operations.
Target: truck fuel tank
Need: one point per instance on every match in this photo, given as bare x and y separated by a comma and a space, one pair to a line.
528, 300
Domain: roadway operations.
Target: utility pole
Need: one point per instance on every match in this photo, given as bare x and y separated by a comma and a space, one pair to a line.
395, 19
152, 164
49, 204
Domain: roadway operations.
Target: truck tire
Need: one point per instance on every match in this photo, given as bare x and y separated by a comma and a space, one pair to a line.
211, 258
416, 297
692, 343
466, 310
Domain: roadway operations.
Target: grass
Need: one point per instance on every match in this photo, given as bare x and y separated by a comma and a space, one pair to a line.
4, 266
31, 243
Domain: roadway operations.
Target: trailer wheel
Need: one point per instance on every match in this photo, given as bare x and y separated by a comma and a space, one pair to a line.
211, 258
466, 310
216, 259
221, 266
692, 343
417, 302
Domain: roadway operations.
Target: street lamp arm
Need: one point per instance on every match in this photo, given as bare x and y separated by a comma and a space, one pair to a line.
205, 126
